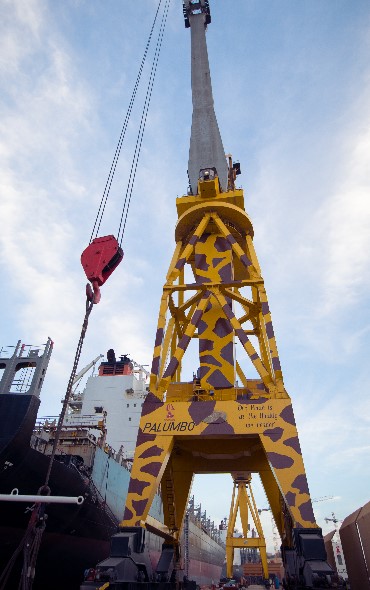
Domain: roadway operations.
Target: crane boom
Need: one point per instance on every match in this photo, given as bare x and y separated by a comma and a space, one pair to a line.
206, 148
85, 369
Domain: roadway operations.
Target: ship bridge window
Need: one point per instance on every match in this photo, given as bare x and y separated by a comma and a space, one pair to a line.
98, 409
128, 405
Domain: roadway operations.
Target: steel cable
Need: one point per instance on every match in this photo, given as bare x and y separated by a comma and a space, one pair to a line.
140, 136
117, 153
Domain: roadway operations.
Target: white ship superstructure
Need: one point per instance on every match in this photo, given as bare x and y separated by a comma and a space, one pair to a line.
112, 398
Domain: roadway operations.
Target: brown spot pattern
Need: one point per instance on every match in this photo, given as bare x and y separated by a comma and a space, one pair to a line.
245, 260
201, 280
227, 352
225, 274
152, 468
242, 336
201, 262
221, 244
158, 337
172, 366
180, 263
155, 365
218, 428
222, 328
300, 483
196, 317
294, 444
230, 238
287, 415
306, 511
265, 308
276, 363
143, 438
274, 433
202, 327
200, 410
279, 461
153, 451
290, 498
128, 514
210, 360
137, 487
218, 380
139, 506
205, 345
151, 404
184, 342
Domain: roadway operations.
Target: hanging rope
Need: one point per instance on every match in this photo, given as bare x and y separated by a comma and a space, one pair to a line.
135, 160
30, 545
117, 153
89, 307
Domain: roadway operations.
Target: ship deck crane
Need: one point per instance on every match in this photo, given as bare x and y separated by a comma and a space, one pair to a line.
212, 425
85, 369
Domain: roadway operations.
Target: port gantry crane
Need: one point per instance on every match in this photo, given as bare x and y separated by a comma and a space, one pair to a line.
243, 502
211, 425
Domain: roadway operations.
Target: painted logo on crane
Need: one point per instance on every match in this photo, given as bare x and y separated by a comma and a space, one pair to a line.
170, 415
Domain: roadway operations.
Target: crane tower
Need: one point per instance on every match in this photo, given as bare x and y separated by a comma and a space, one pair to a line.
210, 424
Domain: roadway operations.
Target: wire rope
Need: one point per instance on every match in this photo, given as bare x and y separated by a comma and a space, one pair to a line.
117, 153
135, 160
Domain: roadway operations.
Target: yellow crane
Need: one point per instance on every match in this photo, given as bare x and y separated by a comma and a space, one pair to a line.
243, 502
210, 424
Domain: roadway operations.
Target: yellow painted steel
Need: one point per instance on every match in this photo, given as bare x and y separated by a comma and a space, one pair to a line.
208, 423
244, 503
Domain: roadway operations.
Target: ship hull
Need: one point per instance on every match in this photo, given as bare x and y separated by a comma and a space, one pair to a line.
77, 537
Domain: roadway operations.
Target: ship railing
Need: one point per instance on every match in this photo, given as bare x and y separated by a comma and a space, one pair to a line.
25, 350
45, 423
210, 530
76, 397
117, 456
87, 421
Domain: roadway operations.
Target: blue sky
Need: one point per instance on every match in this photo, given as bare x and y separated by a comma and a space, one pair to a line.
291, 83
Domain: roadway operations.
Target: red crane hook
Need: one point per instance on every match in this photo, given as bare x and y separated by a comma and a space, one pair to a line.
99, 260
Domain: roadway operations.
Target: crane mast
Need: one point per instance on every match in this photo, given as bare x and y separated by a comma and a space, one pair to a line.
211, 424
